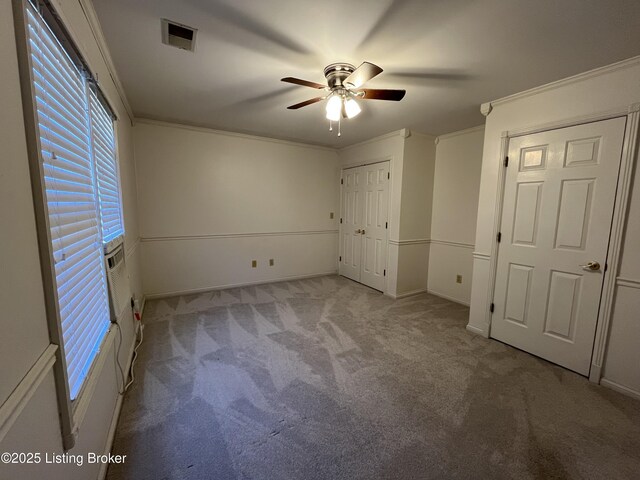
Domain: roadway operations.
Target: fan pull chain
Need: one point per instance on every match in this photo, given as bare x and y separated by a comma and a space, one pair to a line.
330, 126
339, 132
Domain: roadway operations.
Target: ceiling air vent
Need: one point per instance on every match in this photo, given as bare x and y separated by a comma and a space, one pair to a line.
178, 35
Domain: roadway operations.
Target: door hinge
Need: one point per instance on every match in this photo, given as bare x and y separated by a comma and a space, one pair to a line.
606, 266
340, 258
386, 224
384, 273
506, 161
341, 181
499, 237
341, 220
491, 308
388, 175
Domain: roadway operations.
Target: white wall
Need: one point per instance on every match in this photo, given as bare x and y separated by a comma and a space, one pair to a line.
456, 185
33, 425
411, 157
211, 202
603, 90
415, 213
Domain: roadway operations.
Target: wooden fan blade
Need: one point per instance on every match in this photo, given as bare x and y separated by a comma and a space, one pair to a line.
362, 74
305, 103
304, 83
381, 94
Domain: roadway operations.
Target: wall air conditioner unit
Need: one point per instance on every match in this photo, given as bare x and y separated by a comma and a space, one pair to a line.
118, 281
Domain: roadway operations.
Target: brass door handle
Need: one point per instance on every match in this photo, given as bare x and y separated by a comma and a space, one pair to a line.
358, 231
363, 231
594, 266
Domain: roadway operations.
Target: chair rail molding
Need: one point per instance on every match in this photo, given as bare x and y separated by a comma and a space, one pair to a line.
19, 398
215, 236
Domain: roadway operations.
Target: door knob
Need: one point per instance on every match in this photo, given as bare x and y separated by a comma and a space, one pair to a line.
591, 266
358, 231
363, 231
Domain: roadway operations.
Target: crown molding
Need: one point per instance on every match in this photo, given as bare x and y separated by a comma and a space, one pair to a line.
596, 72
98, 35
248, 136
404, 133
457, 133
485, 108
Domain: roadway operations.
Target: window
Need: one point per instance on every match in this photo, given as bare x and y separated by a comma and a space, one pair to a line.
81, 190
106, 165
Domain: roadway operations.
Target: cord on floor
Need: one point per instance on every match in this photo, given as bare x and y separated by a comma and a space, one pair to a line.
133, 360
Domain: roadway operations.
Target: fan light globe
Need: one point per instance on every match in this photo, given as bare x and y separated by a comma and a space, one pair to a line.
352, 108
334, 105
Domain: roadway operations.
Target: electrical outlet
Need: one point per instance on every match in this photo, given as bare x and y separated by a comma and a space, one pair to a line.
271, 262
458, 278
254, 263
331, 215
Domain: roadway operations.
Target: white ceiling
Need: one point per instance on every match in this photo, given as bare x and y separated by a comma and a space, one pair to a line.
450, 56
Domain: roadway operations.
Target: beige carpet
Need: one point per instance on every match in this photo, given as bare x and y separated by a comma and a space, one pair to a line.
327, 379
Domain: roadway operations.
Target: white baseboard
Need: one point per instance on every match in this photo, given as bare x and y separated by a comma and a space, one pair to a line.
406, 294
102, 473
447, 297
619, 388
153, 296
475, 330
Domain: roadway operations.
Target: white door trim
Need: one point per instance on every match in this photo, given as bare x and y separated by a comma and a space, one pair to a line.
340, 225
370, 162
629, 155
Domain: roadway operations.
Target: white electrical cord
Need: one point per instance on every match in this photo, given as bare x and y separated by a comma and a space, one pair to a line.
118, 358
135, 356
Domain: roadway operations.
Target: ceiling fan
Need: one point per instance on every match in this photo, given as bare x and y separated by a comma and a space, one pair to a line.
343, 87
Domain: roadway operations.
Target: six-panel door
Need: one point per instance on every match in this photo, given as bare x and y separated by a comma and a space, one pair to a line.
560, 189
363, 232
351, 226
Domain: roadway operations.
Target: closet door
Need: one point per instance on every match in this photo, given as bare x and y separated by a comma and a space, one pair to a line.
374, 228
364, 222
352, 223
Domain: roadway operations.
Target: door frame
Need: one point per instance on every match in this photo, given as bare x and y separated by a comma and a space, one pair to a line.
386, 246
616, 234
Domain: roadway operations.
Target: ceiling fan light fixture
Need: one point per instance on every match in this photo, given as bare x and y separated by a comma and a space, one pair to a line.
343, 90
351, 108
334, 107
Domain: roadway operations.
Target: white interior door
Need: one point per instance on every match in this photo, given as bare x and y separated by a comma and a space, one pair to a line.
374, 228
559, 197
351, 224
364, 222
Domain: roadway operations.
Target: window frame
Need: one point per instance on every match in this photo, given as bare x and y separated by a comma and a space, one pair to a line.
71, 411
114, 242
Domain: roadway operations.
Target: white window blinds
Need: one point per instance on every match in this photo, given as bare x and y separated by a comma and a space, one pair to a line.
104, 151
71, 195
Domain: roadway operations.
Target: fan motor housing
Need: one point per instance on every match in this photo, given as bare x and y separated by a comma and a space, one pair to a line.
336, 73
